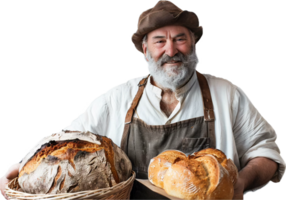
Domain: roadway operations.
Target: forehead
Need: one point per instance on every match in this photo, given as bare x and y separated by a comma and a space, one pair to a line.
169, 31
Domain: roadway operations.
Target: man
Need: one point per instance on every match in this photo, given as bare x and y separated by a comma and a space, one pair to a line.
178, 108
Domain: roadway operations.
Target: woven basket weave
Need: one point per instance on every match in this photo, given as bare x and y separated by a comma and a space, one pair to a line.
119, 191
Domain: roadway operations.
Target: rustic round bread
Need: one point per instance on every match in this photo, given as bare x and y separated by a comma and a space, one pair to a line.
73, 161
207, 174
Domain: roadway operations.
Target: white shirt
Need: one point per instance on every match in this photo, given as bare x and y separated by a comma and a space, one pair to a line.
241, 132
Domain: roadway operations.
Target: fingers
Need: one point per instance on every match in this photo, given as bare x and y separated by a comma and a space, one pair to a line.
3, 193
3, 183
11, 174
13, 171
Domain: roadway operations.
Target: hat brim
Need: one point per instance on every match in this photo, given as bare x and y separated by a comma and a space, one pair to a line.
163, 18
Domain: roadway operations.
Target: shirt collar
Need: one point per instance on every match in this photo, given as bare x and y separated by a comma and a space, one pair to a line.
180, 93
157, 91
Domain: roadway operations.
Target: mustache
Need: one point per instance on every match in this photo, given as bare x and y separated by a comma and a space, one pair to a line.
179, 57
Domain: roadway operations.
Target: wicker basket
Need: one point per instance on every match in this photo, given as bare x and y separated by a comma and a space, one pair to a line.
119, 191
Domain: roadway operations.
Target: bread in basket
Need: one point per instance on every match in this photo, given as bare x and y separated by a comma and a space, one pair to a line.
71, 162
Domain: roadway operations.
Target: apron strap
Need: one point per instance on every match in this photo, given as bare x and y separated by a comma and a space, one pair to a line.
130, 113
208, 108
207, 102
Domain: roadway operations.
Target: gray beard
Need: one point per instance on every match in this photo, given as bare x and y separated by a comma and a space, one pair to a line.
173, 77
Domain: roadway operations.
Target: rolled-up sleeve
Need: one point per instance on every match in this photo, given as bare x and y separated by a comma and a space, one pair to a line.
254, 136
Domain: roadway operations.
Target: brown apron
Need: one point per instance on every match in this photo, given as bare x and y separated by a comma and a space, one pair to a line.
141, 142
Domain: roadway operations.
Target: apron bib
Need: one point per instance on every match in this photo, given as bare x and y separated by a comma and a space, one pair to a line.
142, 142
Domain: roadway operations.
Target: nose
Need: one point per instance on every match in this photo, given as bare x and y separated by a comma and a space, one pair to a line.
170, 49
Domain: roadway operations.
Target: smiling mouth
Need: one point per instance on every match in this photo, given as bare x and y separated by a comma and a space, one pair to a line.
171, 62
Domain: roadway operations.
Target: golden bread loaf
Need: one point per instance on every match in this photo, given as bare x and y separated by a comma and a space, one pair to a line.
207, 174
73, 165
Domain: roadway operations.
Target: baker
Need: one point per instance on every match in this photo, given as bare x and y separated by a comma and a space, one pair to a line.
176, 107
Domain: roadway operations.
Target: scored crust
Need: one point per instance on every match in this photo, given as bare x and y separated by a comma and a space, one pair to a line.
67, 151
220, 156
62, 150
160, 164
207, 174
222, 159
212, 168
74, 165
186, 179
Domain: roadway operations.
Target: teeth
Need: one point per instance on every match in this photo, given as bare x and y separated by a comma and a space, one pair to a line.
172, 61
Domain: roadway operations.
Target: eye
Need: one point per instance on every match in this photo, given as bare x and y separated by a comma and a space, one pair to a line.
160, 41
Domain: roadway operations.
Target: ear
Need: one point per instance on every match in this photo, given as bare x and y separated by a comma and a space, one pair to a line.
144, 47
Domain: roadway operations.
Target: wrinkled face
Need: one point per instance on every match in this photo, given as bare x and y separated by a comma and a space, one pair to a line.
168, 40
170, 52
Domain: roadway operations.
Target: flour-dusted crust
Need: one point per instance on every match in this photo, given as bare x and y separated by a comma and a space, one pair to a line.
73, 161
207, 174
61, 136
186, 179
159, 165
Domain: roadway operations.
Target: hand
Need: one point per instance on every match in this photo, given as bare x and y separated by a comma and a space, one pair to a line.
238, 189
11, 174
3, 182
